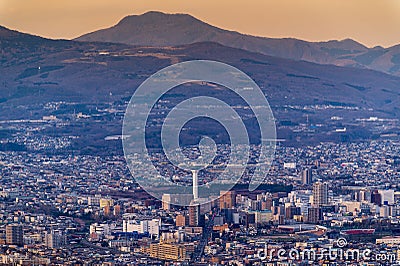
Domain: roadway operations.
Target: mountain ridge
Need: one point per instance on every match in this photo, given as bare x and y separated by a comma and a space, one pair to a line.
160, 29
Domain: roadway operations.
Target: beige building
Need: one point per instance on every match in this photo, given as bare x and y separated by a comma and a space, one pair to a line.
166, 251
227, 199
320, 194
388, 240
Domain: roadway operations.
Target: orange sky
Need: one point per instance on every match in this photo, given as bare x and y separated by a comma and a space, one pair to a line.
371, 22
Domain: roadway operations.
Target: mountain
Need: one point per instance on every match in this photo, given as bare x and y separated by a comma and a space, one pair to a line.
42, 77
159, 29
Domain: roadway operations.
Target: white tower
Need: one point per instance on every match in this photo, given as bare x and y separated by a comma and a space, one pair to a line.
195, 185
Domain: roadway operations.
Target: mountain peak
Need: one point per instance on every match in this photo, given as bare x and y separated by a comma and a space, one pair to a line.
352, 43
153, 17
345, 44
155, 29
162, 14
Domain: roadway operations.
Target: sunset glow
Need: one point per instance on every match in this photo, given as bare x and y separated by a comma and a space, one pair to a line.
371, 22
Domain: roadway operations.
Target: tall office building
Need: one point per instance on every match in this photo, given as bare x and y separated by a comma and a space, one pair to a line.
14, 235
306, 178
194, 215
320, 194
227, 200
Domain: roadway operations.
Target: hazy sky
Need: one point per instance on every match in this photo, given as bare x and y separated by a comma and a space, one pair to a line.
372, 22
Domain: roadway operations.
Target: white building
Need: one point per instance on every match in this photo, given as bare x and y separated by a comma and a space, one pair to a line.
94, 201
145, 226
289, 165
387, 196
100, 230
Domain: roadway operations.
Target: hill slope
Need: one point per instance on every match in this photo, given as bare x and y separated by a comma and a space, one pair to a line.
65, 78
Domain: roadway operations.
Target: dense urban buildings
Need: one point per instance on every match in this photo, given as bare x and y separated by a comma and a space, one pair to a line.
78, 212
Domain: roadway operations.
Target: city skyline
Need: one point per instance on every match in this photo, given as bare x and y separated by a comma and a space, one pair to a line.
356, 19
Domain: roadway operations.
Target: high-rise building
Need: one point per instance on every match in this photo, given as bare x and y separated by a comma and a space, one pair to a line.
314, 215
247, 218
194, 215
376, 197
180, 220
14, 235
291, 211
227, 200
306, 178
320, 194
267, 204
54, 239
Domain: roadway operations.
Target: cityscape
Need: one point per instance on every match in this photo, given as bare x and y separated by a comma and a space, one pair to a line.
74, 210
87, 180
